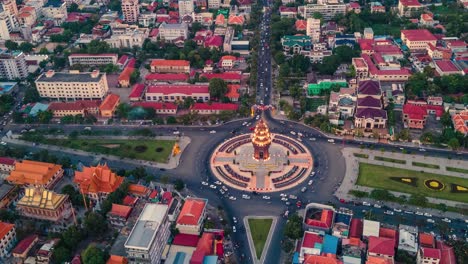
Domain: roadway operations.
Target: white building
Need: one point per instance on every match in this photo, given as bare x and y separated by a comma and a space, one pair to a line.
92, 59
370, 228
127, 36
73, 85
149, 235
214, 4
172, 31
185, 7
147, 19
8, 239
130, 10
327, 8
8, 23
313, 29
13, 65
56, 11
408, 239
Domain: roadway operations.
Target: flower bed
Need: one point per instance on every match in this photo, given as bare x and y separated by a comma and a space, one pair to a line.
434, 185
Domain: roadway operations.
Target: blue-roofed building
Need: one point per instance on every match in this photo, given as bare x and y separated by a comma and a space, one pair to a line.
178, 258
330, 244
38, 107
210, 260
342, 222
295, 259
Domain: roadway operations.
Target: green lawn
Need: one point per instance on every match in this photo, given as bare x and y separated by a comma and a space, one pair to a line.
379, 177
151, 150
259, 229
426, 165
384, 29
390, 160
457, 170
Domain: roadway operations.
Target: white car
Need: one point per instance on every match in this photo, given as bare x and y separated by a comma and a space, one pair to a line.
213, 132
224, 188
312, 174
213, 186
266, 197
293, 133
234, 219
397, 210
304, 189
222, 191
377, 206
408, 212
234, 229
388, 212
299, 139
300, 134
245, 196
331, 140
283, 195
284, 199
310, 182
245, 123
204, 183
217, 182
446, 220
419, 213
258, 117
427, 215
366, 204
176, 132
422, 150
312, 139
232, 198
430, 220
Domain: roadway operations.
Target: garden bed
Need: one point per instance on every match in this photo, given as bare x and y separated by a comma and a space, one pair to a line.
390, 160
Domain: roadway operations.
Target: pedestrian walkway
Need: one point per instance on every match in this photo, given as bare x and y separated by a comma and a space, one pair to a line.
352, 173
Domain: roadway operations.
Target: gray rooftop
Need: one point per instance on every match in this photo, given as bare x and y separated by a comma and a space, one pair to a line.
146, 227
5, 189
69, 77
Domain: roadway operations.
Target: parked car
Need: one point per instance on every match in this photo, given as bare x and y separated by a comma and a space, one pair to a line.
366, 204
331, 140
430, 221
388, 212
446, 220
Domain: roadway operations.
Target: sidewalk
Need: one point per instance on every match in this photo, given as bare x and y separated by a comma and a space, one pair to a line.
172, 164
352, 171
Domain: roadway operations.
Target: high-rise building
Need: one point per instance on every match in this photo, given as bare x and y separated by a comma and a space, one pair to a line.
12, 65
130, 10
327, 8
8, 23
10, 7
185, 7
313, 29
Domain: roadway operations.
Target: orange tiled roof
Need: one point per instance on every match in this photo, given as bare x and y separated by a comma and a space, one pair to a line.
121, 210
228, 57
138, 189
233, 91
99, 179
236, 20
377, 260
33, 172
314, 259
426, 240
114, 259
191, 212
5, 228
220, 20
126, 74
169, 63
109, 102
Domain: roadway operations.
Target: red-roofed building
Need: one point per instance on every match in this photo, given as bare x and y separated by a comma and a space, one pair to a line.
166, 77
7, 238
159, 107
186, 240
366, 68
353, 7
229, 77
118, 215
83, 108
426, 240
381, 247
427, 19
191, 216
227, 61
408, 7
377, 7
44, 254
438, 53
213, 42
428, 256
301, 25
139, 190
123, 61
325, 259
322, 220
236, 19
415, 113
311, 245
124, 77
114, 259
446, 67
417, 39
7, 164
174, 93
21, 250
213, 108
109, 105
460, 122
170, 66
220, 20
130, 201
204, 248
389, 233
288, 12
447, 253
137, 92
233, 92
97, 182
355, 230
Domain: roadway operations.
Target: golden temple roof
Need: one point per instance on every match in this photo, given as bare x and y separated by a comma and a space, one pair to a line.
261, 136
42, 198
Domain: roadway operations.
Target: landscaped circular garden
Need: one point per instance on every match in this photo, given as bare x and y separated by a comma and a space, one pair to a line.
434, 185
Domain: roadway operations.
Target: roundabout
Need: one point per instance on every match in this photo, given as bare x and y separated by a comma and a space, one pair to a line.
261, 161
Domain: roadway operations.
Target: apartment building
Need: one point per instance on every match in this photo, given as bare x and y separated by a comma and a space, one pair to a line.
73, 85
92, 59
214, 4
149, 235
417, 39
130, 10
8, 23
170, 66
191, 216
228, 38
186, 7
127, 36
408, 8
10, 7
313, 29
174, 93
173, 31
327, 8
7, 238
13, 65
54, 10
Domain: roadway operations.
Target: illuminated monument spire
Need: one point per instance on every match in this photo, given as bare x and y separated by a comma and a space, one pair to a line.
261, 141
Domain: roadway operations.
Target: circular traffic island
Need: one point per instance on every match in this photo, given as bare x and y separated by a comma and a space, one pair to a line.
262, 161
434, 185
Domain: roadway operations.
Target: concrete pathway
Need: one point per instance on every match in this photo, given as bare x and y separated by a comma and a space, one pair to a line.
171, 164
255, 258
352, 172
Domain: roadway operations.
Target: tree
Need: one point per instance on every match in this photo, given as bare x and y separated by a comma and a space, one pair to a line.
188, 102
95, 224
26, 47
72, 237
293, 228
218, 88
446, 119
179, 185
453, 143
417, 200
171, 120
45, 116
427, 137
73, 8
11, 45
122, 110
150, 113
61, 254
93, 255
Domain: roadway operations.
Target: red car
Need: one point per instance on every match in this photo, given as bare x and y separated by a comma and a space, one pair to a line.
342, 201
298, 204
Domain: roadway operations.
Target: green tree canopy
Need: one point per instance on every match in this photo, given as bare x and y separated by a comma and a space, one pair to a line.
93, 255
218, 88
293, 228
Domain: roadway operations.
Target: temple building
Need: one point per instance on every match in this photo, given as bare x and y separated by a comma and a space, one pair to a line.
97, 182
261, 141
42, 204
35, 173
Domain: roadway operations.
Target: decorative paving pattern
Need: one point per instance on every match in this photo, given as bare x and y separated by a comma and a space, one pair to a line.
288, 165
